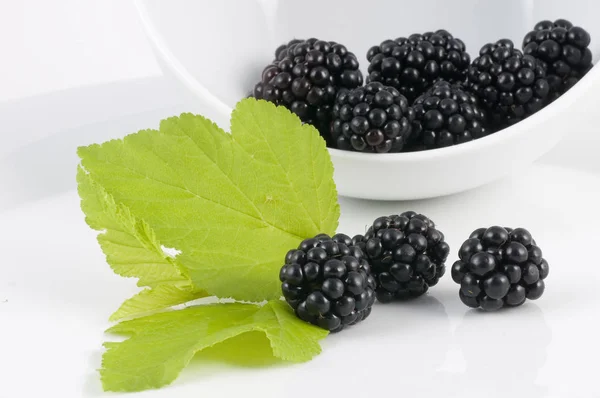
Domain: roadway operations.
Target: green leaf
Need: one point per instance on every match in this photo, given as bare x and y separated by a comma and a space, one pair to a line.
161, 345
291, 339
158, 298
130, 245
232, 204
250, 349
132, 250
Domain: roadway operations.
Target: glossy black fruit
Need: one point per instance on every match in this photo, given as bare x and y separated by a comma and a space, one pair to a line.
499, 267
564, 49
373, 118
413, 64
328, 282
446, 115
510, 86
406, 253
306, 76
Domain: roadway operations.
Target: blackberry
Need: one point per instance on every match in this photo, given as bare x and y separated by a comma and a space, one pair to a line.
373, 118
509, 85
406, 253
447, 114
306, 76
328, 282
282, 51
499, 267
413, 64
564, 49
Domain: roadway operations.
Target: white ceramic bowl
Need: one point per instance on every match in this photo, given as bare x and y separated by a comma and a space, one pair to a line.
217, 49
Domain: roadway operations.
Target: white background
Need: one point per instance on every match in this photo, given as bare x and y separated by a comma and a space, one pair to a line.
75, 71
71, 72
64, 44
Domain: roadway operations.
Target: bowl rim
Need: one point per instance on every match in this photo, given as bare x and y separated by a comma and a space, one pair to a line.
224, 110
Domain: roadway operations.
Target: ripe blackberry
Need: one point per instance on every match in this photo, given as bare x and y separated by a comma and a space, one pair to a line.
306, 76
564, 50
510, 85
328, 282
373, 118
499, 267
282, 51
447, 114
406, 254
412, 64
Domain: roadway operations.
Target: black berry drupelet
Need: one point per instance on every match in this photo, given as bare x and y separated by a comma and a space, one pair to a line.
282, 51
499, 267
406, 253
328, 282
306, 76
564, 49
373, 118
412, 64
447, 114
510, 86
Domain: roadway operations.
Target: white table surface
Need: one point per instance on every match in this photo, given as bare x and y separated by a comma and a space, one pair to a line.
56, 293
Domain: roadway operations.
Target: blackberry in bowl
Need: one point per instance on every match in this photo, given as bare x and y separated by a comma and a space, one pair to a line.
510, 86
447, 114
374, 118
306, 76
412, 64
220, 60
564, 48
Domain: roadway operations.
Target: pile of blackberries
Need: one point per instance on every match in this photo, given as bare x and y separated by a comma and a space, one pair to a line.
333, 282
400, 109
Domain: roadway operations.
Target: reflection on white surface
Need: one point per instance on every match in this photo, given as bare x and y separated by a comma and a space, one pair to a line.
504, 352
